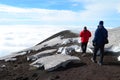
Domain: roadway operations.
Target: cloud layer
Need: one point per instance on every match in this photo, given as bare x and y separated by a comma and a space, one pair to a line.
15, 38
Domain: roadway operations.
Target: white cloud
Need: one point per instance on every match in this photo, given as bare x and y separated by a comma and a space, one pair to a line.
14, 14
97, 9
93, 12
6, 8
17, 37
118, 7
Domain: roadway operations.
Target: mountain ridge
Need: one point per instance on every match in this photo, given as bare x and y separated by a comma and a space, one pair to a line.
62, 33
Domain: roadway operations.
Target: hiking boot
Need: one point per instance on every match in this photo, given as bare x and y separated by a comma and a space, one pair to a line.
83, 55
94, 61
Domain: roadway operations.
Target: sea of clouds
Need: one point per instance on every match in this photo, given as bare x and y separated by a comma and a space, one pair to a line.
18, 37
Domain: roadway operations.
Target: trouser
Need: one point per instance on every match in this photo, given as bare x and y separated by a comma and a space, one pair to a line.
84, 47
101, 48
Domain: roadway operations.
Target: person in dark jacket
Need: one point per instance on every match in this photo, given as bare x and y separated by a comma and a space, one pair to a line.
85, 35
101, 34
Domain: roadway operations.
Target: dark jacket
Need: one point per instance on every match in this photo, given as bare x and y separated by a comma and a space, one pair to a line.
100, 35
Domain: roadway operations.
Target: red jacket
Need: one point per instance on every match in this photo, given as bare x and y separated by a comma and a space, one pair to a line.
85, 34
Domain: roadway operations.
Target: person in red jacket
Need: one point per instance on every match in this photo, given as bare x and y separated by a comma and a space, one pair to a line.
85, 35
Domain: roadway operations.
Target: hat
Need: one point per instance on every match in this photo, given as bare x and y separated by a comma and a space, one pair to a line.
101, 23
85, 28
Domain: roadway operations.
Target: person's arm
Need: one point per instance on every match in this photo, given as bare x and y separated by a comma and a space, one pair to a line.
95, 34
106, 34
95, 38
81, 33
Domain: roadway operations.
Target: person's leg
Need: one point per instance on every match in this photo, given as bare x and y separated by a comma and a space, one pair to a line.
82, 47
101, 54
96, 48
85, 47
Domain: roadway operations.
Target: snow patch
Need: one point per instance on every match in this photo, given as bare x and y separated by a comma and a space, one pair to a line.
70, 40
49, 43
115, 49
41, 54
12, 56
51, 63
119, 58
3, 66
70, 49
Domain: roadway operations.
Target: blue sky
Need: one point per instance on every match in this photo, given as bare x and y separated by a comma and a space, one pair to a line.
60, 12
45, 4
